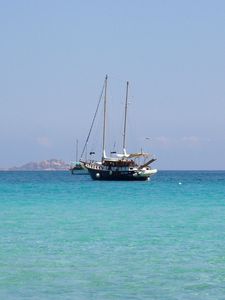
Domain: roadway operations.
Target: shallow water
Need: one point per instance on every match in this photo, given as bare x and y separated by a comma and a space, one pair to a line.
68, 237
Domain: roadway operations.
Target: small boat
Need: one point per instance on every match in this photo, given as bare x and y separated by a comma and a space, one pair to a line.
77, 167
123, 166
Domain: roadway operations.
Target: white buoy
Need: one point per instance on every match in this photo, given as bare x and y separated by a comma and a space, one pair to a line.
180, 183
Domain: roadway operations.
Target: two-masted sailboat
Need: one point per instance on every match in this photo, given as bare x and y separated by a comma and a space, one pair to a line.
123, 166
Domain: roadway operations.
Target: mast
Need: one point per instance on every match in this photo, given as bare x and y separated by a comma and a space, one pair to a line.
104, 121
86, 152
76, 150
125, 121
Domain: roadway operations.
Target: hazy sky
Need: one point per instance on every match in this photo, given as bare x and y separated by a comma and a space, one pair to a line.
53, 59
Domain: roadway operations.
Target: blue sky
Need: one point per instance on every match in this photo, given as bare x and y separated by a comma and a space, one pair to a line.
53, 59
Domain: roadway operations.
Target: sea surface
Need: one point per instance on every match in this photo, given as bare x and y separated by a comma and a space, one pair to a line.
68, 237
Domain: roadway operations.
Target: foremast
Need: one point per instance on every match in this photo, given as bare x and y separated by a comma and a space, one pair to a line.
125, 121
104, 120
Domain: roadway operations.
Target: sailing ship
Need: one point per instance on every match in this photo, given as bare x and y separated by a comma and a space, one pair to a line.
77, 167
124, 165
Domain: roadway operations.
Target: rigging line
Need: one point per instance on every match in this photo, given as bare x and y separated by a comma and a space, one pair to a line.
92, 124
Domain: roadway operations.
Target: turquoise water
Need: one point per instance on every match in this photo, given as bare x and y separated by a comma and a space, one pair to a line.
68, 237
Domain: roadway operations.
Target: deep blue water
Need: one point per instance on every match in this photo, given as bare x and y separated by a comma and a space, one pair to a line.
68, 237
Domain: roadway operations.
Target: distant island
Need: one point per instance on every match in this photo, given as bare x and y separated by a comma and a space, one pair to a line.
44, 165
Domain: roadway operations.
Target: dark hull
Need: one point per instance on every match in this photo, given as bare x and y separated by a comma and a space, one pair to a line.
116, 175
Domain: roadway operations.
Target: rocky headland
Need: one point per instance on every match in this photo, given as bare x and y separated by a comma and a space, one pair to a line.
44, 165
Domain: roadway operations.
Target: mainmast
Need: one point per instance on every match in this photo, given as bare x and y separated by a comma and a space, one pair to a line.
104, 121
76, 150
125, 121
